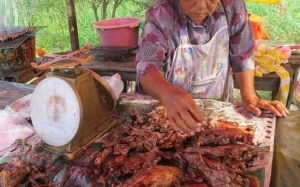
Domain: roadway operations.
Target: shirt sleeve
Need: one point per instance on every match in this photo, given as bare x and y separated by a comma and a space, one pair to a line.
242, 42
155, 49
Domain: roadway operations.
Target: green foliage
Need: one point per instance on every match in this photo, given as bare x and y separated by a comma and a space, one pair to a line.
54, 37
281, 21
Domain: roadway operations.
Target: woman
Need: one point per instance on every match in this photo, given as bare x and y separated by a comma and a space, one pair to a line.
186, 51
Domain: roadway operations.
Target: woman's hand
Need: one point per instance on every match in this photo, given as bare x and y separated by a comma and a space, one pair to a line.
182, 111
250, 100
255, 104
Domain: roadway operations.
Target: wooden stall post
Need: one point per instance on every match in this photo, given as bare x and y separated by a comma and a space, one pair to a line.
72, 25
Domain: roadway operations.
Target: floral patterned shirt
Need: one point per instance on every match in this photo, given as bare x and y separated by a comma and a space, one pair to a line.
163, 23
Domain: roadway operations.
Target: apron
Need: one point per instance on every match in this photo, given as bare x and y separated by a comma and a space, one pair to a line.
203, 70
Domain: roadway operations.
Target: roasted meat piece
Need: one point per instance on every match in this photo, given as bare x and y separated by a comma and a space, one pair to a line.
156, 175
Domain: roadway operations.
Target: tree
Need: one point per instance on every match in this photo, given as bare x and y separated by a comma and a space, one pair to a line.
96, 4
103, 5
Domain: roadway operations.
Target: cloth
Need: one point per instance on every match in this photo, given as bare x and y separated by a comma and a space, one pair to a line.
163, 23
269, 59
285, 171
206, 77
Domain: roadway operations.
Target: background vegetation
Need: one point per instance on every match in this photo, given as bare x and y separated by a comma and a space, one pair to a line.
281, 22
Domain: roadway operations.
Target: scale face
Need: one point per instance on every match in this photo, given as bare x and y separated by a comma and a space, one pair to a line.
56, 111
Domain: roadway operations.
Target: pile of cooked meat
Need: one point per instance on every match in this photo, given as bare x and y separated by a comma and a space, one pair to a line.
145, 151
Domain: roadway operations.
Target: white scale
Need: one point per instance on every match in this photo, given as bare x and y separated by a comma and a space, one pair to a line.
69, 110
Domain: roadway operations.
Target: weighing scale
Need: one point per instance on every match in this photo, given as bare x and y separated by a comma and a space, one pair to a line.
70, 109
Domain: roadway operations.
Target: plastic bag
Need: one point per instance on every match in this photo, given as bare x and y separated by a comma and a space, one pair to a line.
20, 107
12, 128
115, 83
14, 124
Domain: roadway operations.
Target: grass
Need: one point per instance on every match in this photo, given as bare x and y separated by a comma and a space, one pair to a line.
281, 22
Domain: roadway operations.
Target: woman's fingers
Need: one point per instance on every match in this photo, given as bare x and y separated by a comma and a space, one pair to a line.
185, 122
254, 105
278, 107
255, 110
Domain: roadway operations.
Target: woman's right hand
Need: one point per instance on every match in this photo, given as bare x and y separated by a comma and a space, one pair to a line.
182, 111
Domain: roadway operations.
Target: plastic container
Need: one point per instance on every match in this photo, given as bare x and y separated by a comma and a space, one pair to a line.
122, 32
257, 24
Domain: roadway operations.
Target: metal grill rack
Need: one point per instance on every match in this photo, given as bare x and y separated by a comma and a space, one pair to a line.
18, 41
112, 53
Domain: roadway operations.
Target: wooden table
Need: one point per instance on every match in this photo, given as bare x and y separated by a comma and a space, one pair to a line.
269, 82
10, 92
214, 109
294, 62
126, 69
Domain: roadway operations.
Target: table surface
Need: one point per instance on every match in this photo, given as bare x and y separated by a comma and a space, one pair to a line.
11, 92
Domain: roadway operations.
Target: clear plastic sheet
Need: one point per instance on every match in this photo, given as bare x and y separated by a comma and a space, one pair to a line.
20, 107
14, 123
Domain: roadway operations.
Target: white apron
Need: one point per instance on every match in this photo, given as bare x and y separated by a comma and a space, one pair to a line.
203, 70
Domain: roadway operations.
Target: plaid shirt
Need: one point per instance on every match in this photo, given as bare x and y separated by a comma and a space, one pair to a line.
163, 23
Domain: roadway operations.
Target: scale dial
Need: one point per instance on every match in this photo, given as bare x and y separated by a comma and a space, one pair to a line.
56, 111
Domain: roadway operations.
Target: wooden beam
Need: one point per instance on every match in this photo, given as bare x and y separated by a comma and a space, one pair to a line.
72, 25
